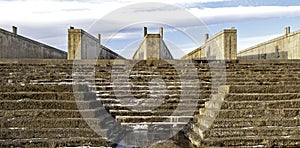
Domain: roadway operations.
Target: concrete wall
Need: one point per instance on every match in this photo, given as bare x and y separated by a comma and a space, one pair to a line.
152, 48
82, 45
283, 47
164, 51
222, 46
141, 52
14, 46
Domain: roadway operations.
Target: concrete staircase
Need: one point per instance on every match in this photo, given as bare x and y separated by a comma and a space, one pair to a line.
261, 108
149, 97
59, 103
39, 107
47, 103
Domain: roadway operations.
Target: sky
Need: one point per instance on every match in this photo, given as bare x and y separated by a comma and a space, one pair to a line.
121, 22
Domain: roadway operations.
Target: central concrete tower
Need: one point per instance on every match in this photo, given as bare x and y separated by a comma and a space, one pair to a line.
153, 47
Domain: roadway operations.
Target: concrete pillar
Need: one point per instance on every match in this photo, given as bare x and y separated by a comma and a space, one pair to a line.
161, 32
99, 38
287, 30
145, 31
206, 37
15, 30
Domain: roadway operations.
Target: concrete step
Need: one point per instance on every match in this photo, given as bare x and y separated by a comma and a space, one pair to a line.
259, 69
165, 75
139, 77
71, 96
166, 125
43, 88
254, 79
152, 113
277, 104
104, 83
261, 96
264, 89
255, 132
203, 82
252, 141
108, 68
53, 113
35, 69
16, 133
109, 100
139, 119
56, 78
256, 83
56, 142
267, 74
159, 72
171, 93
256, 122
27, 122
123, 93
150, 107
259, 113
37, 74
149, 100
51, 104
262, 78
110, 97
147, 85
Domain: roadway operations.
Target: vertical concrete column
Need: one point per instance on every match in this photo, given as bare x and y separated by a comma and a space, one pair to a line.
99, 38
287, 30
15, 30
74, 43
206, 37
100, 52
233, 44
71, 49
161, 32
145, 31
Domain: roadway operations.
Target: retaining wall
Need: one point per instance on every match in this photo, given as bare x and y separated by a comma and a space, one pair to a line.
284, 47
82, 45
222, 46
14, 46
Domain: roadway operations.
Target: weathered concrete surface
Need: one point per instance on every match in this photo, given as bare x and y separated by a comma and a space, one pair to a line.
261, 105
286, 46
222, 46
82, 45
152, 47
14, 46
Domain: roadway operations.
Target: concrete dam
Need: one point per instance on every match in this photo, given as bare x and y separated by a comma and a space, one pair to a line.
151, 100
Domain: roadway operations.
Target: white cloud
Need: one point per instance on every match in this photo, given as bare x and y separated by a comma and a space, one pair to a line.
33, 12
62, 13
48, 11
52, 11
222, 15
123, 35
174, 1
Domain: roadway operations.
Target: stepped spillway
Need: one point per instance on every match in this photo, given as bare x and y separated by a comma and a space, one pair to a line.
52, 103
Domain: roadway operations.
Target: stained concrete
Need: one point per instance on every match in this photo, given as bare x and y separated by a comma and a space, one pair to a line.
82, 45
14, 46
286, 46
152, 47
260, 108
222, 46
